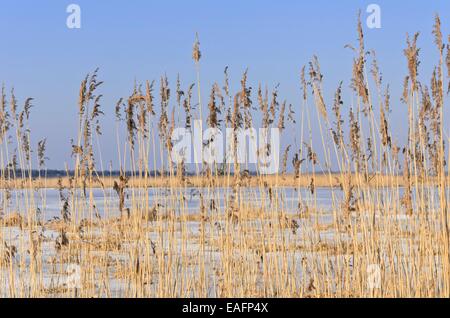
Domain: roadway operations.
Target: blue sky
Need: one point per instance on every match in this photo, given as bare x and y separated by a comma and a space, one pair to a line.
144, 39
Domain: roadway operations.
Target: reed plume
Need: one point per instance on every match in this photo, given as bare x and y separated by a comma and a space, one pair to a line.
358, 79
316, 81
412, 55
187, 107
338, 133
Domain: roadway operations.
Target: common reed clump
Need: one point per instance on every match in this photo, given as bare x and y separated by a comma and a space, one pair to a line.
157, 228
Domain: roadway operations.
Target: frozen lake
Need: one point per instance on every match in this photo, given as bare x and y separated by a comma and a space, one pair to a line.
189, 200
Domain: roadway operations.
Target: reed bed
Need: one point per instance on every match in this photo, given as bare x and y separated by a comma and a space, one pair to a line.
243, 238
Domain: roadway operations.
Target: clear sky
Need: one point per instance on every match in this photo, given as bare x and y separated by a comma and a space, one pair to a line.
143, 39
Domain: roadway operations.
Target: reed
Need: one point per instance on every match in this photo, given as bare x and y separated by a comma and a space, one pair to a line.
223, 231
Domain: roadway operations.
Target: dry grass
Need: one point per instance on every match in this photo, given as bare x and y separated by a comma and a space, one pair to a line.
333, 180
249, 236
